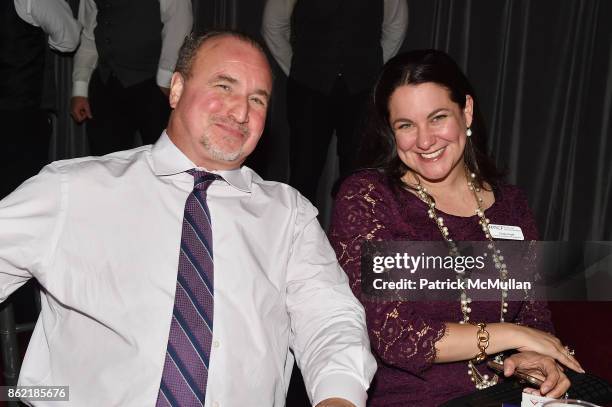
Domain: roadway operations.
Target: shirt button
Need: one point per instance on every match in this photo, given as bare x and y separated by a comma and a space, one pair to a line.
216, 344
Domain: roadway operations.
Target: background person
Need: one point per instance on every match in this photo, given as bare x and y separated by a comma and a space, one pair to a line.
123, 66
331, 51
27, 26
429, 174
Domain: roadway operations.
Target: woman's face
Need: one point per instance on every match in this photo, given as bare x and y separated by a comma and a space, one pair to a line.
429, 129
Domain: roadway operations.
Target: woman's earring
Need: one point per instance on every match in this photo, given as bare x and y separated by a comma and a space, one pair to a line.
468, 132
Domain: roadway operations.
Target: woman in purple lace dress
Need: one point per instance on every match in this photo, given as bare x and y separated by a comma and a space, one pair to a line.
429, 178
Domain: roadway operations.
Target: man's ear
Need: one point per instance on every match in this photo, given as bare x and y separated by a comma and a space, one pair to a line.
176, 88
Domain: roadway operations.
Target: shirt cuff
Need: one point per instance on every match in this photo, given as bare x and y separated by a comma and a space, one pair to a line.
340, 386
79, 88
163, 78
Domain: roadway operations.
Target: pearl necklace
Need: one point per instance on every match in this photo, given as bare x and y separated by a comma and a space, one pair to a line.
480, 381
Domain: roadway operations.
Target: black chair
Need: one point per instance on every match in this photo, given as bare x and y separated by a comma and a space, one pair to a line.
26, 301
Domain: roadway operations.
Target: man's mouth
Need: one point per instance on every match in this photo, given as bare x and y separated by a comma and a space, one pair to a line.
232, 130
236, 130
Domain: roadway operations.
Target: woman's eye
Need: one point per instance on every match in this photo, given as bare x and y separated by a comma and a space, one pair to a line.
404, 126
438, 117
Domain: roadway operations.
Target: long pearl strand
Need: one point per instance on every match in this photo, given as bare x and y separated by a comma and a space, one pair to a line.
480, 381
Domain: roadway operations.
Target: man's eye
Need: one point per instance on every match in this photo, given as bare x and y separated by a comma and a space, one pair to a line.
223, 86
258, 101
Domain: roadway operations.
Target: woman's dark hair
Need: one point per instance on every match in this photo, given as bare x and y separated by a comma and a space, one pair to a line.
379, 150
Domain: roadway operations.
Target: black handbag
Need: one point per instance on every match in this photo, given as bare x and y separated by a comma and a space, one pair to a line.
584, 386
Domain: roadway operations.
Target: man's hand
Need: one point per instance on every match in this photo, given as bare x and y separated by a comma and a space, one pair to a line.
540, 366
79, 109
335, 402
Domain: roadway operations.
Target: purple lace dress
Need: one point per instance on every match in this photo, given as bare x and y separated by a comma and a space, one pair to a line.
403, 334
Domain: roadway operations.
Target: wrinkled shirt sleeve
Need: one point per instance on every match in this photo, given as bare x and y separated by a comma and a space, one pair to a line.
55, 18
86, 57
276, 31
30, 219
177, 18
328, 331
395, 23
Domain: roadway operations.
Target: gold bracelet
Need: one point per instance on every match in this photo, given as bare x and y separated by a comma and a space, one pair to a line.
482, 337
481, 381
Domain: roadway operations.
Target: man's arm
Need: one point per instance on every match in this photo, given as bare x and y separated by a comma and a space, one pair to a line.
335, 402
276, 31
543, 367
328, 332
177, 18
85, 61
86, 57
29, 224
55, 19
394, 26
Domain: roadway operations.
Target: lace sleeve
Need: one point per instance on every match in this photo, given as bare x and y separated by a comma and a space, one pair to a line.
364, 210
536, 314
533, 313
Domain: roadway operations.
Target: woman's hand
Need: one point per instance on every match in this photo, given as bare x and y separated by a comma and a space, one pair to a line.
541, 366
530, 339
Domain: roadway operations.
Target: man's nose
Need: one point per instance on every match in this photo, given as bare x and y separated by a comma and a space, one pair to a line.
239, 109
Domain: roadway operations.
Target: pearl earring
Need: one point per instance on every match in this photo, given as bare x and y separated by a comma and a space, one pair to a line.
468, 132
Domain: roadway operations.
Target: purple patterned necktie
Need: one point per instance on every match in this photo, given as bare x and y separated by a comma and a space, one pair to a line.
187, 358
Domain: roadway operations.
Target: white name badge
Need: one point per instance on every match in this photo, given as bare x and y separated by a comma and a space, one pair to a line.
506, 232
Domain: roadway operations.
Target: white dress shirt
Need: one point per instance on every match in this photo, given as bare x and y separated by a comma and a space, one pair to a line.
56, 20
102, 237
276, 29
177, 19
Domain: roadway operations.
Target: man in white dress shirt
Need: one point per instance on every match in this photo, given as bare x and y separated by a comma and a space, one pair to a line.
102, 236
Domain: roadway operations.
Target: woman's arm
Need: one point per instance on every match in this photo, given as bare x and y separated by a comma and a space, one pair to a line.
460, 343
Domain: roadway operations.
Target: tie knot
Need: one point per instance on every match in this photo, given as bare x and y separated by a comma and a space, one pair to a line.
202, 179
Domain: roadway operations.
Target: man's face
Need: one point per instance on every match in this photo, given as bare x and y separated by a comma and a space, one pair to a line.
220, 110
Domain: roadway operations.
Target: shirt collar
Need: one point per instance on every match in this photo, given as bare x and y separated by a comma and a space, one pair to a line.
169, 160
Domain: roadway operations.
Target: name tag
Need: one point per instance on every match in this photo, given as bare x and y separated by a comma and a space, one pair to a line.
506, 232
